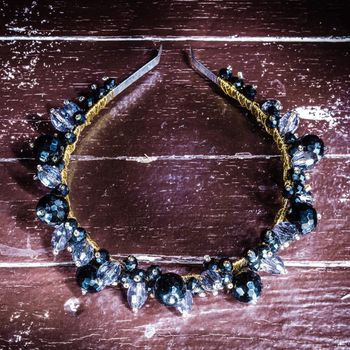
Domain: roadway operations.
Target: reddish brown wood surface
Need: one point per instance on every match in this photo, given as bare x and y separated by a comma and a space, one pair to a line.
174, 170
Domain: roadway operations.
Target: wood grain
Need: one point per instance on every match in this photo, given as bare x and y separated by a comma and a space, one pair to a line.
173, 169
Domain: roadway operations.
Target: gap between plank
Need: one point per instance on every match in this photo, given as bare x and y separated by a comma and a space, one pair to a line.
184, 38
193, 261
186, 157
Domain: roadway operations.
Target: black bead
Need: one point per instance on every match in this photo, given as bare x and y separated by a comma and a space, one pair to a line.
225, 73
254, 255
296, 175
78, 235
247, 286
102, 256
138, 275
86, 278
289, 138
130, 263
61, 190
238, 83
170, 289
125, 277
79, 118
110, 84
303, 216
48, 149
272, 122
249, 92
70, 138
225, 265
86, 102
101, 92
288, 191
153, 272
52, 209
270, 237
227, 278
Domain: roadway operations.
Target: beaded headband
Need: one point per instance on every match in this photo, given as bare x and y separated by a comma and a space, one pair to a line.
98, 270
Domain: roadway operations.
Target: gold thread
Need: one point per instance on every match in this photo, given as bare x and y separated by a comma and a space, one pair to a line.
262, 118
229, 90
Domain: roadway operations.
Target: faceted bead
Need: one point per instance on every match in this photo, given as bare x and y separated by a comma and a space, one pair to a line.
271, 106
48, 149
211, 281
130, 263
61, 120
226, 278
108, 273
289, 138
238, 83
254, 255
71, 107
61, 190
288, 191
225, 73
102, 256
49, 175
137, 295
170, 289
52, 209
86, 102
313, 144
194, 285
138, 275
304, 159
285, 231
272, 122
153, 272
303, 197
271, 238
82, 253
110, 84
100, 92
78, 235
272, 264
288, 123
185, 304
296, 175
62, 235
304, 216
249, 92
70, 138
247, 286
86, 278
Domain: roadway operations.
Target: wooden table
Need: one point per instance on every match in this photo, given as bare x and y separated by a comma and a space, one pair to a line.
174, 170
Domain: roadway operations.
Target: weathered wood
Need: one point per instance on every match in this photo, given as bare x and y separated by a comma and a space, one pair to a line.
206, 18
305, 309
174, 170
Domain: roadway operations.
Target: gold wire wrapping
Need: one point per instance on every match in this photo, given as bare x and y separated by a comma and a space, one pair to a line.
262, 118
231, 91
93, 111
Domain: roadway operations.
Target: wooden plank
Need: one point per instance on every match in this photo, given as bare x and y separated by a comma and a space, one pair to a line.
193, 118
206, 18
174, 208
305, 309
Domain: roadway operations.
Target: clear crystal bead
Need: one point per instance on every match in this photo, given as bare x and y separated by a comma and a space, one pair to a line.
185, 304
82, 253
108, 273
285, 231
272, 264
61, 119
49, 176
289, 122
211, 281
137, 295
61, 236
304, 160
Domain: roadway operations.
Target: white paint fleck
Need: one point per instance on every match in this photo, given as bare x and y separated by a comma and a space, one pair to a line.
150, 331
72, 305
317, 113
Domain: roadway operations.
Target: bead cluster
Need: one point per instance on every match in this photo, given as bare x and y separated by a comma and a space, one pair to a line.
98, 270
